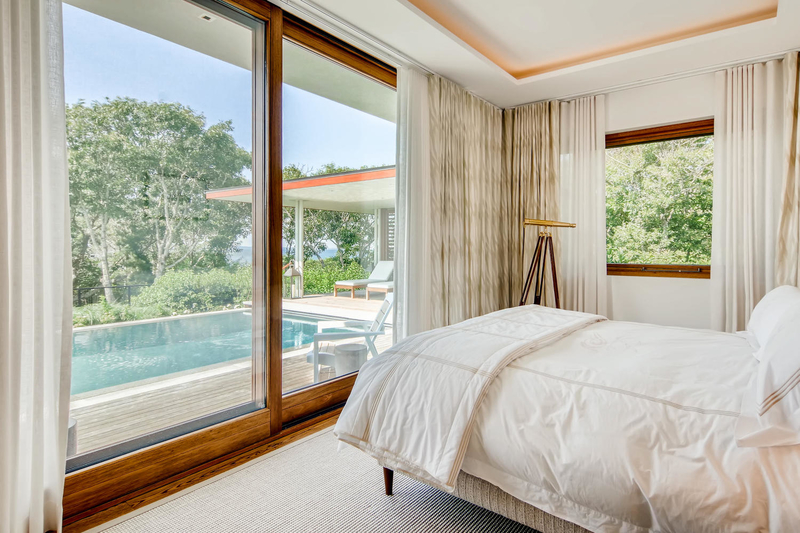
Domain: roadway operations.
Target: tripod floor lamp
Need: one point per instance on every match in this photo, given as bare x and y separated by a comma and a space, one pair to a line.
535, 279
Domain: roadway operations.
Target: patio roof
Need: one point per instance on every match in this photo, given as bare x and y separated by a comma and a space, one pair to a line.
358, 191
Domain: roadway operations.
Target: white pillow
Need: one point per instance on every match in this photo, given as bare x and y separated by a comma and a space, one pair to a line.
769, 312
771, 407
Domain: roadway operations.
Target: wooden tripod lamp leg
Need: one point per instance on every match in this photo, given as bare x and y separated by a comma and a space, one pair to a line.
388, 480
540, 272
532, 270
553, 273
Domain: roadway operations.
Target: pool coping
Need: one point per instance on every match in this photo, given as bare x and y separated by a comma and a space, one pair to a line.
158, 319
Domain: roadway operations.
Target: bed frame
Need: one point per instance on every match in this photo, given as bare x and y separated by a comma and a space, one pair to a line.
483, 494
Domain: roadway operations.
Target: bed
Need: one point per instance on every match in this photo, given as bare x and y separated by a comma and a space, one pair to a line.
569, 422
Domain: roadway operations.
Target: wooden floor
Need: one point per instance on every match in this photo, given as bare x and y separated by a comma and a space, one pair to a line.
127, 412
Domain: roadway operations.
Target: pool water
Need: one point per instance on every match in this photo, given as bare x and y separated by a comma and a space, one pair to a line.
105, 357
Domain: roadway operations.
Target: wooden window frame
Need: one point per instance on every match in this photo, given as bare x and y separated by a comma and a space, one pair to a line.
671, 132
102, 492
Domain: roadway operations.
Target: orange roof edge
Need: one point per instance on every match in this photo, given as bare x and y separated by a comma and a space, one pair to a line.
313, 181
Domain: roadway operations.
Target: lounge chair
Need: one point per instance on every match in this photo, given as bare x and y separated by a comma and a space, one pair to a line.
382, 286
382, 272
322, 352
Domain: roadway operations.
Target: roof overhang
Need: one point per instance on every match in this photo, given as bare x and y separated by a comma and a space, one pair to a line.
182, 23
360, 191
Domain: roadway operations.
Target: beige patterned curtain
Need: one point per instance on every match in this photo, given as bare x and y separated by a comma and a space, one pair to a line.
531, 160
471, 212
788, 249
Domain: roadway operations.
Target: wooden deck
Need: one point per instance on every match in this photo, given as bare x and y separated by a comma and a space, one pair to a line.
121, 413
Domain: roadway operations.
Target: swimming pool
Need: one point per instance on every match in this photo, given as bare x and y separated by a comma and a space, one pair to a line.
108, 356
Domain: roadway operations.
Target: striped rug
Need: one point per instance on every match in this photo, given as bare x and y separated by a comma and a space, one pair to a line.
311, 486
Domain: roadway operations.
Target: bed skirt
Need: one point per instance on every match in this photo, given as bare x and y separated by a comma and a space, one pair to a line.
484, 494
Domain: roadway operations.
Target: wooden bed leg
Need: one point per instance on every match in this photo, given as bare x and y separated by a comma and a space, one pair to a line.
388, 480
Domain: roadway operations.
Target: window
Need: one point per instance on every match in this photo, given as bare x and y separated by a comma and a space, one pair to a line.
659, 184
160, 111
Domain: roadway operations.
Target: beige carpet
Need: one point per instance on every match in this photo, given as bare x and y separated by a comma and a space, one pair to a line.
312, 487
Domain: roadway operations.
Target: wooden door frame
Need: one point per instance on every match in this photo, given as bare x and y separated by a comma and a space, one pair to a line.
101, 492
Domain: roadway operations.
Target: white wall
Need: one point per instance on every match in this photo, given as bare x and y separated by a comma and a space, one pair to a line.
661, 103
667, 301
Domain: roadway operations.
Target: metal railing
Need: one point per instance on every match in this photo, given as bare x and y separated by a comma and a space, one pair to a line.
80, 293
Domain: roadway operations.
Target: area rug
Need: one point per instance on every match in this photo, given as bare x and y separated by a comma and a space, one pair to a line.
312, 486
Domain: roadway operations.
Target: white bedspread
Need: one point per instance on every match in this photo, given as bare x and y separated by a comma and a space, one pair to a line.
616, 427
630, 427
413, 408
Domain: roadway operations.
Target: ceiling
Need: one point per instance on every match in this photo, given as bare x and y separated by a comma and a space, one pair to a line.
530, 43
515, 51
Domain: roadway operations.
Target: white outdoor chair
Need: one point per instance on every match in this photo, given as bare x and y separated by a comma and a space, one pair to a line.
322, 352
381, 272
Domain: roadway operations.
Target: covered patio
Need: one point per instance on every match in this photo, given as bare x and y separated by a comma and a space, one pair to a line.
369, 191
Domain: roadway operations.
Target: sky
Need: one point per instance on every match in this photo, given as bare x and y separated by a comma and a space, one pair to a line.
103, 58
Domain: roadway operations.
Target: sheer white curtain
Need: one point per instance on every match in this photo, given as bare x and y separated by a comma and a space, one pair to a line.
412, 277
470, 206
582, 200
789, 229
748, 136
35, 268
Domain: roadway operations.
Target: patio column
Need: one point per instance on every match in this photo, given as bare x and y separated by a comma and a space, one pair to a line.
378, 236
299, 228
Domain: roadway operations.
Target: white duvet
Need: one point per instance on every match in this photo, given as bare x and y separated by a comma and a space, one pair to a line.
617, 427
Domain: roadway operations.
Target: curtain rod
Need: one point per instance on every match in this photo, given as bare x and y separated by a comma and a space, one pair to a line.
348, 32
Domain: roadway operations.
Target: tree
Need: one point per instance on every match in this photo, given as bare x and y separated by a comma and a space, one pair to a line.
658, 202
139, 172
99, 189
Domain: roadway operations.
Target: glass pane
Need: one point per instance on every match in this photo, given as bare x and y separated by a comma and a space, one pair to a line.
658, 202
338, 229
160, 114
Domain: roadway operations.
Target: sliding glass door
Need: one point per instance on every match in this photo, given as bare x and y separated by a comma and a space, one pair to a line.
232, 217
165, 114
338, 189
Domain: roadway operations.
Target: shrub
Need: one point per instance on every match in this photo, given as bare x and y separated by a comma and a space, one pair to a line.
182, 291
319, 279
106, 313
186, 291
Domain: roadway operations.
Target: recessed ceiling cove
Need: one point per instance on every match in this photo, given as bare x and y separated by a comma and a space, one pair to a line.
533, 37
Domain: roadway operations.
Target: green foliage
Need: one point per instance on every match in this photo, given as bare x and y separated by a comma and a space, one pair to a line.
106, 313
658, 202
182, 291
138, 173
319, 276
